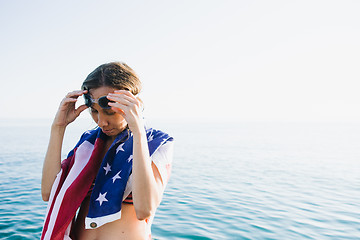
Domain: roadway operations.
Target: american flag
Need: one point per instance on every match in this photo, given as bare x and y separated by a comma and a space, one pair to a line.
78, 172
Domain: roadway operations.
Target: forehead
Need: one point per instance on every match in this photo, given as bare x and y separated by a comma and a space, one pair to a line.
101, 91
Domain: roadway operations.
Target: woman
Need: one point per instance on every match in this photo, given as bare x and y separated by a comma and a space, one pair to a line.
113, 180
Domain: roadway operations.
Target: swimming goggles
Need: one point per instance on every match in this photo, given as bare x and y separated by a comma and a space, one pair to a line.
102, 101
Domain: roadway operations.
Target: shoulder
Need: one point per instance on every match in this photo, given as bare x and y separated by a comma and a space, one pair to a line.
89, 135
156, 135
93, 133
163, 159
165, 149
156, 139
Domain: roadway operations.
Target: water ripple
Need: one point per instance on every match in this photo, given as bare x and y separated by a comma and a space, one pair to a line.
264, 182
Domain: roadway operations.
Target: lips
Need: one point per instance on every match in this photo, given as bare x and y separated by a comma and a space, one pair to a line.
107, 131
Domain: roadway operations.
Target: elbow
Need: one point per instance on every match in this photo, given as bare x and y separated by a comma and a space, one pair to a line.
145, 210
45, 196
142, 214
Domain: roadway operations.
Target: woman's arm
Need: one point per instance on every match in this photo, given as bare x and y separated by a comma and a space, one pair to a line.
66, 114
52, 162
147, 186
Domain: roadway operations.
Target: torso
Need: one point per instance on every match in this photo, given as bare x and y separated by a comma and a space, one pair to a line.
127, 227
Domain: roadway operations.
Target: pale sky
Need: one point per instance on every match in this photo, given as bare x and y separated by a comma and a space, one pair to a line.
222, 60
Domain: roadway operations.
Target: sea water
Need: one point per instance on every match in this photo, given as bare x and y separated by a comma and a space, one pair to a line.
229, 180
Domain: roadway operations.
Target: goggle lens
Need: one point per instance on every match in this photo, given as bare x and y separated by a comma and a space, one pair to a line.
88, 100
102, 101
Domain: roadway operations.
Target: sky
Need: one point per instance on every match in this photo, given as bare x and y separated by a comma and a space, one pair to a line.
198, 60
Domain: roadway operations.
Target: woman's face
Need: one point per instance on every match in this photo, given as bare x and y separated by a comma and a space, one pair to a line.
110, 122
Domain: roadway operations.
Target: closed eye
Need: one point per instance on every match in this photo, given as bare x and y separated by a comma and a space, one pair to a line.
106, 111
93, 110
109, 112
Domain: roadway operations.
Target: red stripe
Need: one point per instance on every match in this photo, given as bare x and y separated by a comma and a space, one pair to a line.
129, 199
77, 191
65, 166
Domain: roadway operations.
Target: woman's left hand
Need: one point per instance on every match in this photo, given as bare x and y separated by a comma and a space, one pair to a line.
126, 104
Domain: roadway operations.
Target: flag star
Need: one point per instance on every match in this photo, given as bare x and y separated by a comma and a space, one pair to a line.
120, 148
130, 158
117, 176
101, 198
107, 168
151, 137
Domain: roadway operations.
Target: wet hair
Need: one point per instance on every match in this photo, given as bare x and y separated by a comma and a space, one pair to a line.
117, 75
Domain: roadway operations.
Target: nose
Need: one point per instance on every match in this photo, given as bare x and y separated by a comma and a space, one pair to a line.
102, 120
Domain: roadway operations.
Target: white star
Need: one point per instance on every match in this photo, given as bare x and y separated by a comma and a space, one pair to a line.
130, 158
107, 168
151, 137
120, 148
117, 176
101, 198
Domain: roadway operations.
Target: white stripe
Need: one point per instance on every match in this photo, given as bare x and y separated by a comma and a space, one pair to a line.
52, 193
82, 157
101, 220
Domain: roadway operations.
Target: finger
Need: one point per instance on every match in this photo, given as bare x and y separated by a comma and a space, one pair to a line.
68, 100
76, 94
118, 110
80, 109
67, 103
115, 106
127, 99
141, 103
125, 92
119, 105
126, 110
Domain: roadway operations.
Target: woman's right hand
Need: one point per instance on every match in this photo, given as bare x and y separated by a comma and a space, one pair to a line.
67, 112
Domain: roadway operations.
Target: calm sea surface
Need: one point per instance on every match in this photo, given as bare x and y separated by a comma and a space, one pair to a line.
229, 181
